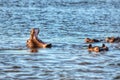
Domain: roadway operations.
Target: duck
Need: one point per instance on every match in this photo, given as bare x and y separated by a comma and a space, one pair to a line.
35, 42
112, 39
97, 48
88, 40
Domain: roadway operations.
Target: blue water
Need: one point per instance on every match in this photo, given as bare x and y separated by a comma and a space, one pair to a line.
65, 24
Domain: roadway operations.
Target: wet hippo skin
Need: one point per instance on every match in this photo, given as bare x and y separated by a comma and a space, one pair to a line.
35, 42
97, 48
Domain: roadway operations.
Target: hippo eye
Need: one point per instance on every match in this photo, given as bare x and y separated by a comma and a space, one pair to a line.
103, 45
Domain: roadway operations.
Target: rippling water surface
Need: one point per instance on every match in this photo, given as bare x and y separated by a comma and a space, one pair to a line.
65, 24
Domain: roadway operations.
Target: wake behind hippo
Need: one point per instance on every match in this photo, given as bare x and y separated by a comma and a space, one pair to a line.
35, 42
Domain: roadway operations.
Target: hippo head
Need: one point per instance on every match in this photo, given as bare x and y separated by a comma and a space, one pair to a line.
87, 40
34, 42
110, 39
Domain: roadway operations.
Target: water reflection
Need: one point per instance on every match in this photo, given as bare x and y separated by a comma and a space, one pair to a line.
34, 50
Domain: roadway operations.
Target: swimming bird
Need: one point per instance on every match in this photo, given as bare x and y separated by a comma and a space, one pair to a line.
35, 42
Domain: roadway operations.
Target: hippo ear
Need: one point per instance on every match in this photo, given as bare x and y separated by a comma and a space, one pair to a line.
103, 45
90, 45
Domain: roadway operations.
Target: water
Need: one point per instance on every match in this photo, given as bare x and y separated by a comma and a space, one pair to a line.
65, 24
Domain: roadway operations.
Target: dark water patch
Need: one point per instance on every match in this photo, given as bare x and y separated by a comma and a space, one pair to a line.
115, 64
99, 67
16, 67
85, 63
117, 77
11, 71
35, 67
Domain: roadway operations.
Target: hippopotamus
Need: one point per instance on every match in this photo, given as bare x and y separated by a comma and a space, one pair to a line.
88, 40
112, 39
34, 42
97, 48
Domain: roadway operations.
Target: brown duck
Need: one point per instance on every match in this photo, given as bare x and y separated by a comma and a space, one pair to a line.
34, 42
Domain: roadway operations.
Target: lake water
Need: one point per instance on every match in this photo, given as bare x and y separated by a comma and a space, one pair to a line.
65, 24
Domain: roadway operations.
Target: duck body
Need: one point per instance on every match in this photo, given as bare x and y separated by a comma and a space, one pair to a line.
34, 42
